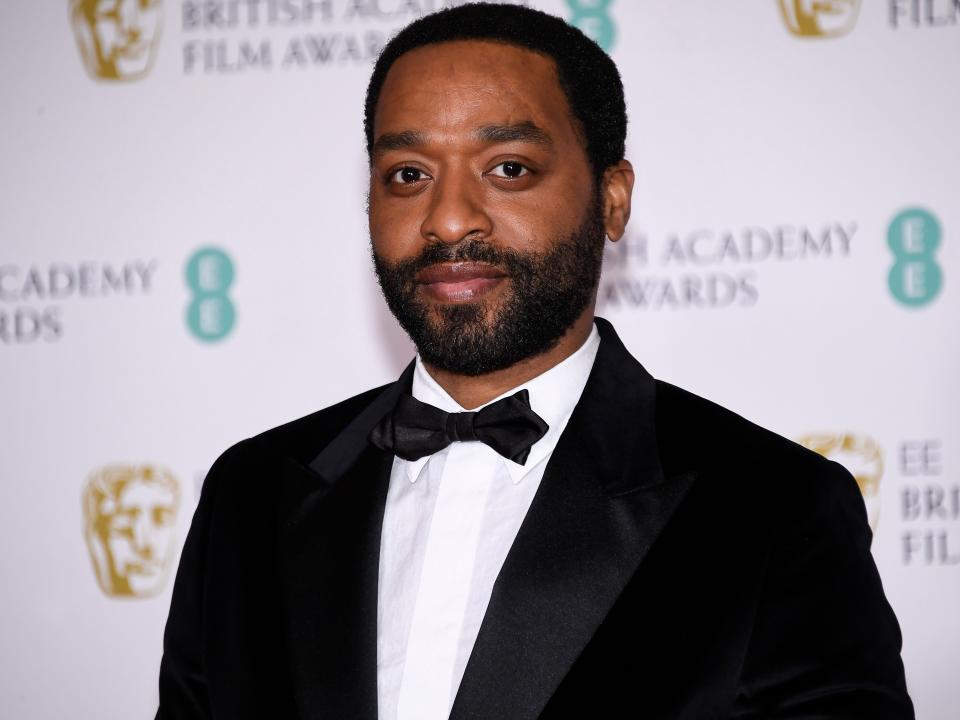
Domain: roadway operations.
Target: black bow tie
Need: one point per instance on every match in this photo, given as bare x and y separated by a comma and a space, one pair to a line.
415, 429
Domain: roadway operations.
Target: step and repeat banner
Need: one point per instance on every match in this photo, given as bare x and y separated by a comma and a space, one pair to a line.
184, 262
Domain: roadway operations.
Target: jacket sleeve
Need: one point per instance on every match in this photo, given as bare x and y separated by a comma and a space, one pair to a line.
183, 680
825, 643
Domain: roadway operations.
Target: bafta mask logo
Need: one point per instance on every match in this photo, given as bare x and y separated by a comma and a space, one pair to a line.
859, 454
117, 38
129, 521
820, 18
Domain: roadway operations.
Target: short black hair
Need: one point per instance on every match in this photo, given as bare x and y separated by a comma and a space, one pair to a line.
587, 75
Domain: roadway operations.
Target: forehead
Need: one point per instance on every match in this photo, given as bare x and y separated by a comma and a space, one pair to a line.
454, 86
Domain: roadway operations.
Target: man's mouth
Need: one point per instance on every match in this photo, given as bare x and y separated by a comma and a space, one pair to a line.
459, 281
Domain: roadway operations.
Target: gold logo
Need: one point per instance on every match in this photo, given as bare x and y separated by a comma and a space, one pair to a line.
859, 454
117, 38
820, 18
129, 520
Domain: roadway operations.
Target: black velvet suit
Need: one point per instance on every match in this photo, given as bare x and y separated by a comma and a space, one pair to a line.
676, 562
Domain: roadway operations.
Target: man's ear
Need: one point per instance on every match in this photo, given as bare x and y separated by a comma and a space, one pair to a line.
617, 191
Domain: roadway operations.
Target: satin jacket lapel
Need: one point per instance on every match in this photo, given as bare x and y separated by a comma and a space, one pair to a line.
601, 505
329, 559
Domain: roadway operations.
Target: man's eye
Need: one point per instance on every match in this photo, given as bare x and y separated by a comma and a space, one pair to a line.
509, 169
407, 175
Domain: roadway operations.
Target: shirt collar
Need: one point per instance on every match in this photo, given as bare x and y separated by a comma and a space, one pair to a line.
553, 396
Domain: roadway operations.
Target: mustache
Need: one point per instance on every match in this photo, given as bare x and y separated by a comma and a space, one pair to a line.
479, 251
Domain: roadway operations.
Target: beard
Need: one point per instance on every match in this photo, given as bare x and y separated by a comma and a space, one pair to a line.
547, 293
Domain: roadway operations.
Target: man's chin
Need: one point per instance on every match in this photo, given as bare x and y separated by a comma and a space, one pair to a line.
448, 319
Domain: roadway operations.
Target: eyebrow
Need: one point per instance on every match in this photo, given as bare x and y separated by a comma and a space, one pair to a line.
526, 131
396, 141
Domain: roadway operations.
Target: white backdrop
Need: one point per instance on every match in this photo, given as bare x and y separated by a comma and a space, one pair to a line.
767, 267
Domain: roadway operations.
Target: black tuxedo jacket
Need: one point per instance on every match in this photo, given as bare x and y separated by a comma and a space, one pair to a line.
676, 562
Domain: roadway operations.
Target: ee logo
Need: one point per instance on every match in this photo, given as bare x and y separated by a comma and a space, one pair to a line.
209, 275
914, 236
593, 18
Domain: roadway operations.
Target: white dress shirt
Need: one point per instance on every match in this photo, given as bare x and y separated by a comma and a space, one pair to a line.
449, 522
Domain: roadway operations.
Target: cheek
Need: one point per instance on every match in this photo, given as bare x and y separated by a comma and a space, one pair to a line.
536, 221
394, 227
520, 225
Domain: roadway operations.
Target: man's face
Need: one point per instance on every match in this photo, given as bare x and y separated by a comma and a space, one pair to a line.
485, 223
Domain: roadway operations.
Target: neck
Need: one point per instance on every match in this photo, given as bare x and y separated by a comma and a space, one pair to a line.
472, 391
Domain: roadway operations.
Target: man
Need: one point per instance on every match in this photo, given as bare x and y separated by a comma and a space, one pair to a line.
590, 542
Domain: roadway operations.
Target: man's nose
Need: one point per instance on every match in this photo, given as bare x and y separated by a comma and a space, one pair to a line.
457, 209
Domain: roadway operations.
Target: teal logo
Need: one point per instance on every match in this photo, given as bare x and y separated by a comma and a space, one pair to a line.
914, 236
593, 18
209, 275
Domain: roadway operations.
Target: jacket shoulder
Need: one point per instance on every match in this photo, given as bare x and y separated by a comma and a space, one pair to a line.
699, 433
304, 438
742, 463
